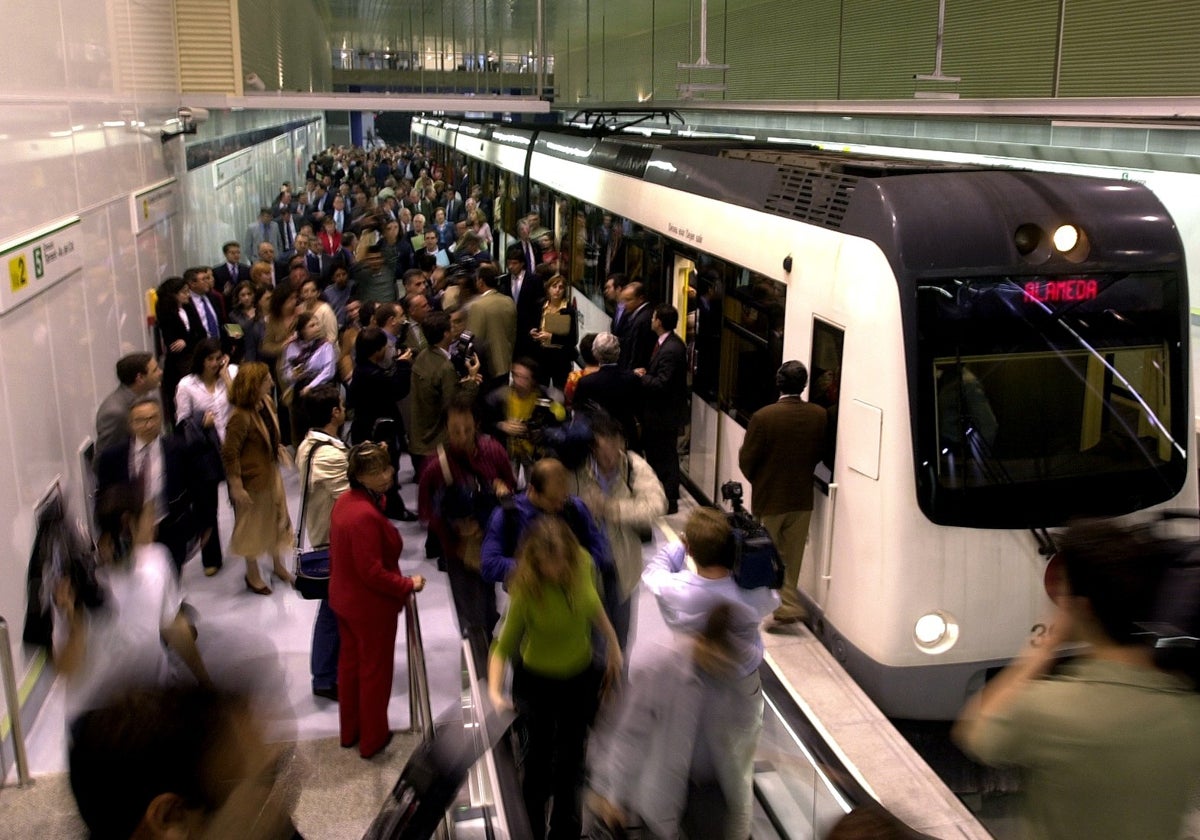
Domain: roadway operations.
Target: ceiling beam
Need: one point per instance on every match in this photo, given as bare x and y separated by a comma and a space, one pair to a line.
370, 102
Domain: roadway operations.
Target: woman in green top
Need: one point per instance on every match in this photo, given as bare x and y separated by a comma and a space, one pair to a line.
553, 607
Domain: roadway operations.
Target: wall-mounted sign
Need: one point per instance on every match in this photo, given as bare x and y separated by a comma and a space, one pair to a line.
229, 168
154, 204
38, 261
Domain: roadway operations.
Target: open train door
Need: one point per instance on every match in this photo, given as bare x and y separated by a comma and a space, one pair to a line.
825, 376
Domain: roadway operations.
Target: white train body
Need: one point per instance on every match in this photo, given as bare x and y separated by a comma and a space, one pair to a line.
878, 560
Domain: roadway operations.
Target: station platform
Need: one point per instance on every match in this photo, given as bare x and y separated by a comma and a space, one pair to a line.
815, 714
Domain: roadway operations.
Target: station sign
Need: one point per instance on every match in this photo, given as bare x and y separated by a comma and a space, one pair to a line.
154, 204
38, 261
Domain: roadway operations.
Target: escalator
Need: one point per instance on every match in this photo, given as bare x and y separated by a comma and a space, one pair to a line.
802, 786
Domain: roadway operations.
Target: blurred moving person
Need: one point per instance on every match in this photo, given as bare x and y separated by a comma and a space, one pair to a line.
1110, 744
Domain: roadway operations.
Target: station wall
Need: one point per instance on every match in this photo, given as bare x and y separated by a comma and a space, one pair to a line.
628, 50
82, 95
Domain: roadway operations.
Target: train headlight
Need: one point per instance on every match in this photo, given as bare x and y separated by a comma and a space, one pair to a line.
1066, 237
935, 632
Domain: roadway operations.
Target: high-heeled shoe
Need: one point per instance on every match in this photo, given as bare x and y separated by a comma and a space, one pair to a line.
287, 577
257, 590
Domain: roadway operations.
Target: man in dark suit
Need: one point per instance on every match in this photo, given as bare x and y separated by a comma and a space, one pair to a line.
531, 252
527, 291
139, 375
455, 209
207, 301
160, 464
617, 392
782, 447
665, 404
228, 274
635, 330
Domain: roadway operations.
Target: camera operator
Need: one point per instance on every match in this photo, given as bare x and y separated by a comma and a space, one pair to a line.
521, 411
686, 598
435, 383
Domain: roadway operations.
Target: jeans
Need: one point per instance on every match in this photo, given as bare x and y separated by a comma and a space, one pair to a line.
324, 660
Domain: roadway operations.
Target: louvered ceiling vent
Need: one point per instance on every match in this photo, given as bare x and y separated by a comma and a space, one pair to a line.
210, 54
820, 198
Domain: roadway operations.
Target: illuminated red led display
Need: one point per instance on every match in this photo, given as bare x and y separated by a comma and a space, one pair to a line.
1060, 291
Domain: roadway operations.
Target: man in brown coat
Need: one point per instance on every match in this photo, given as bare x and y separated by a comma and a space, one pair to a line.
783, 445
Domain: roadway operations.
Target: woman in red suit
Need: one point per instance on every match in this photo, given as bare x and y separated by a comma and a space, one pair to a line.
367, 593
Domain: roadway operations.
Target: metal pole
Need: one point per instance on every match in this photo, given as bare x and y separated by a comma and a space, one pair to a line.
541, 48
1058, 47
13, 702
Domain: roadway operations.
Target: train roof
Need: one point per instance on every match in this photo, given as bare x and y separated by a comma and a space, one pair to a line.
926, 216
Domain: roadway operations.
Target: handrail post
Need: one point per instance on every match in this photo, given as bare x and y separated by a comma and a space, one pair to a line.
9, 675
420, 715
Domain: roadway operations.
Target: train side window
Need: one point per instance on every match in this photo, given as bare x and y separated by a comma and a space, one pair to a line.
825, 382
751, 345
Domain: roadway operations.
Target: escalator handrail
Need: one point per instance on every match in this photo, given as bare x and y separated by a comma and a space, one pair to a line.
826, 757
508, 788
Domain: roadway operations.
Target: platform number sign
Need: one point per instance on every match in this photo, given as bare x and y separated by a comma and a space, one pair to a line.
18, 273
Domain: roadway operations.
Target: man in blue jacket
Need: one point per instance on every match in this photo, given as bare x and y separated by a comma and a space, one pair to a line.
548, 494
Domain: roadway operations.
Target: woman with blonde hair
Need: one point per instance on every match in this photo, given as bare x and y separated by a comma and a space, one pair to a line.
252, 453
553, 607
558, 333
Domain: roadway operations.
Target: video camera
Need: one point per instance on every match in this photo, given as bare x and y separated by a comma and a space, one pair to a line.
461, 351
756, 561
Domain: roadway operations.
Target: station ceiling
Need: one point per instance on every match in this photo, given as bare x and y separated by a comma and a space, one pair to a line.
503, 25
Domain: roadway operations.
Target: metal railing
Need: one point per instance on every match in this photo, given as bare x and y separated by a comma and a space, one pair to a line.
12, 699
420, 714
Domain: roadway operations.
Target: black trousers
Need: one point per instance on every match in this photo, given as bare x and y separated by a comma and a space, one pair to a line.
474, 597
662, 453
204, 508
555, 714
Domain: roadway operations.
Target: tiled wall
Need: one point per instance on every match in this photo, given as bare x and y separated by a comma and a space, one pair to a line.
77, 74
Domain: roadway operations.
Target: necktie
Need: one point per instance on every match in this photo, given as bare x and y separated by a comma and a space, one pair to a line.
266, 237
529, 264
210, 317
139, 468
617, 316
337, 219
287, 236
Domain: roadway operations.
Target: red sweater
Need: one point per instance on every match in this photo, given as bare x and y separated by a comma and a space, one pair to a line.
364, 549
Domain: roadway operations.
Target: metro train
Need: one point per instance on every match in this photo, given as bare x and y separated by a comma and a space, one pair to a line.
1000, 351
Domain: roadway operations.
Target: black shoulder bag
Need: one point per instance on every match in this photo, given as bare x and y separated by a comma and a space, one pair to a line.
312, 566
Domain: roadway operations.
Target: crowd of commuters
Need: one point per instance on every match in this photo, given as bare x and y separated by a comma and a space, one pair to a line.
374, 327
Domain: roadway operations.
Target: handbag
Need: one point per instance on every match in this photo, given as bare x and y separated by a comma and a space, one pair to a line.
312, 566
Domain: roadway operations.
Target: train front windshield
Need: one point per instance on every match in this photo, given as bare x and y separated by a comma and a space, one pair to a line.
1041, 399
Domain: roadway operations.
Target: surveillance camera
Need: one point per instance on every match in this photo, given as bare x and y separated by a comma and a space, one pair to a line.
192, 116
253, 82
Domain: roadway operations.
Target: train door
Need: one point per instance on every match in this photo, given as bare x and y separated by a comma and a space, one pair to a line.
824, 385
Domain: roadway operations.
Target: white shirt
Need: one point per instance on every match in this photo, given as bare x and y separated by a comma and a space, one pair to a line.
191, 396
146, 460
124, 647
